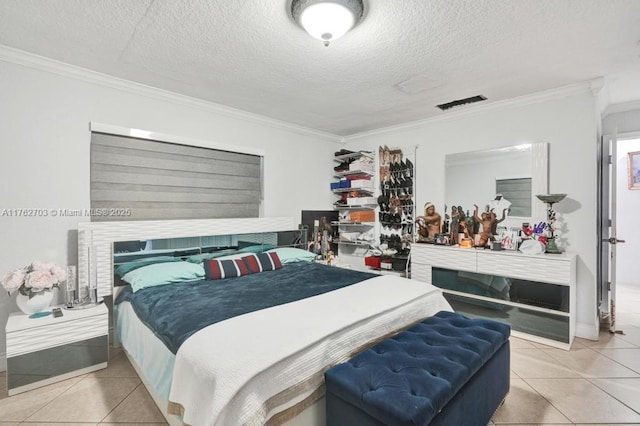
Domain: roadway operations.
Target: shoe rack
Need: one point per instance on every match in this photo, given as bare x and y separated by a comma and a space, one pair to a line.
356, 204
396, 202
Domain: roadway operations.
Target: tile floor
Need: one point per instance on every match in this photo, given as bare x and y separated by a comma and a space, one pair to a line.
594, 383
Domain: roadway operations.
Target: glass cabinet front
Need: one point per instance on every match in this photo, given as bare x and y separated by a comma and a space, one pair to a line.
531, 307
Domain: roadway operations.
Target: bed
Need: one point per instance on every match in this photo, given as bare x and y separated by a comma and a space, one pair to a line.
261, 342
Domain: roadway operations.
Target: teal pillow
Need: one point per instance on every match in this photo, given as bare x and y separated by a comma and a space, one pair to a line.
292, 254
257, 248
123, 269
163, 273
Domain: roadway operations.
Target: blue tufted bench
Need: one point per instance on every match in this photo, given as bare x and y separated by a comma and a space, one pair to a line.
445, 370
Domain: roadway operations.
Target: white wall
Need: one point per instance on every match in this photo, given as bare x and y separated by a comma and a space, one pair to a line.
628, 206
566, 119
44, 162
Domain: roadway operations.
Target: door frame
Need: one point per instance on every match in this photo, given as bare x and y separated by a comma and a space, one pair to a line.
602, 222
605, 221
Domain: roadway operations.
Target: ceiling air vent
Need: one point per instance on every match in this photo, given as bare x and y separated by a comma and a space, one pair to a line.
459, 102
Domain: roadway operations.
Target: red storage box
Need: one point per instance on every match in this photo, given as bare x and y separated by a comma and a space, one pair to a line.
372, 261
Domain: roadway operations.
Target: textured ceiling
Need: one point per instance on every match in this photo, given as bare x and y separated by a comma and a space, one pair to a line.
405, 57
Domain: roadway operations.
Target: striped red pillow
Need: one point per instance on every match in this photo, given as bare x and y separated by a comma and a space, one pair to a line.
220, 269
262, 262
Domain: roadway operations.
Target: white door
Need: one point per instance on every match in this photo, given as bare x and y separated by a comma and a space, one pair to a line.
607, 177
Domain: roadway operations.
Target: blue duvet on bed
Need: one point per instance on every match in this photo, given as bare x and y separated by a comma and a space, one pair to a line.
176, 311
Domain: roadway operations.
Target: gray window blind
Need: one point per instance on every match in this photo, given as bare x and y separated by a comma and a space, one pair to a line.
139, 179
518, 192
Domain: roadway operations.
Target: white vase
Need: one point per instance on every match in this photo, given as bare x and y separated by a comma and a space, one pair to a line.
38, 303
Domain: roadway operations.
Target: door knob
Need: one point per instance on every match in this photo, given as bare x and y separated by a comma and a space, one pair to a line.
612, 240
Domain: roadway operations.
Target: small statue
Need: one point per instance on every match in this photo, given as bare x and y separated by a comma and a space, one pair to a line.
455, 225
445, 225
463, 224
495, 222
430, 224
488, 221
472, 225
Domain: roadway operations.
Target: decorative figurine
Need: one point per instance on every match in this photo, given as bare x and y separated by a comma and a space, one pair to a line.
489, 222
495, 222
430, 224
455, 225
445, 225
463, 225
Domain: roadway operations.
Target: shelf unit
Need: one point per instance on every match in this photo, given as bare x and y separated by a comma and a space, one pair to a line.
355, 243
354, 223
353, 248
342, 190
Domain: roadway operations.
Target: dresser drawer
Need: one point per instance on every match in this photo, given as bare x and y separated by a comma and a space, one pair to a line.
444, 257
542, 269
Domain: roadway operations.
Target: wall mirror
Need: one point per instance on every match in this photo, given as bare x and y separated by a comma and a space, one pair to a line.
518, 172
182, 247
134, 253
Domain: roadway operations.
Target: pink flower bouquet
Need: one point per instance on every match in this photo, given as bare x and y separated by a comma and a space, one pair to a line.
34, 278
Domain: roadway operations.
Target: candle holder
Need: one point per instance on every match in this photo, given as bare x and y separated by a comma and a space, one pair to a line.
550, 200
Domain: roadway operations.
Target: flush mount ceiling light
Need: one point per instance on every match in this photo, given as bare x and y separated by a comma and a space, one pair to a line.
327, 20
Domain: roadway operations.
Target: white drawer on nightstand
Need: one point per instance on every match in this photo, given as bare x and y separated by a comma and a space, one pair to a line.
26, 334
36, 339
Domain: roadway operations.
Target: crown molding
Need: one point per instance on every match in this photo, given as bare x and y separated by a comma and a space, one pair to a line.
596, 85
545, 95
30, 60
621, 107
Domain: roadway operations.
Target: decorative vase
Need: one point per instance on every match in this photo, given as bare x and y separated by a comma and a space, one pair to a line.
38, 303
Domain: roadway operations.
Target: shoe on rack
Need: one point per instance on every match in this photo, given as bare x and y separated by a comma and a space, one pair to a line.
366, 236
381, 202
342, 167
410, 167
408, 183
343, 152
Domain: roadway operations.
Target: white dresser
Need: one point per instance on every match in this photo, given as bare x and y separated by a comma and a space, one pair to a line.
45, 350
534, 294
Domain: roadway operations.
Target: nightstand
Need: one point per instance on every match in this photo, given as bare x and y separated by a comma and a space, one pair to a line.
45, 350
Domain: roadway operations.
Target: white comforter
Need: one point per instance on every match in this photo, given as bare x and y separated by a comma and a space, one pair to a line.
248, 368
